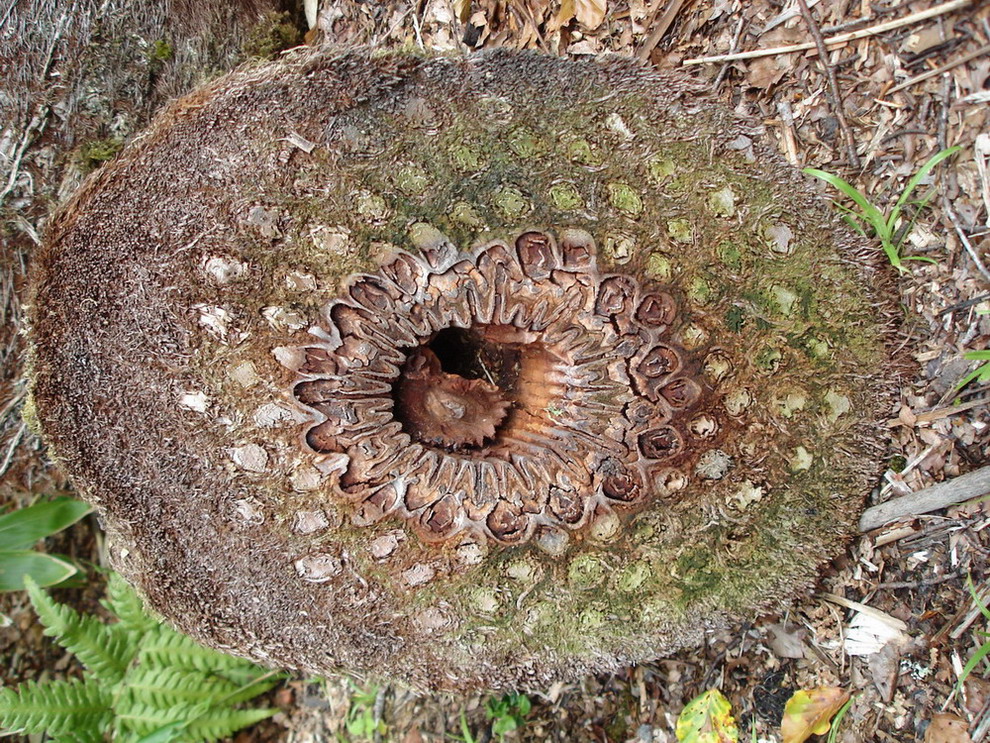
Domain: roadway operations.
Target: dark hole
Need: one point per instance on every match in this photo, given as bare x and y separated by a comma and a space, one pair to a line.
464, 403
466, 353
459, 351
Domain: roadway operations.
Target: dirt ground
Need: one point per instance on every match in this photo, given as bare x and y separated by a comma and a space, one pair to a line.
893, 621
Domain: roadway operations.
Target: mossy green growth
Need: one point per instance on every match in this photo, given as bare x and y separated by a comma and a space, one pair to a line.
511, 202
586, 572
625, 198
565, 196
680, 230
273, 33
160, 51
580, 151
91, 155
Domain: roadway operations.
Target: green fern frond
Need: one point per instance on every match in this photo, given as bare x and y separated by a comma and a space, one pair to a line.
163, 646
142, 719
155, 686
124, 603
105, 650
92, 734
222, 723
247, 691
57, 707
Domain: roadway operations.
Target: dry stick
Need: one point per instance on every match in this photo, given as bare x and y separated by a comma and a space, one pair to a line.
9, 457
963, 488
881, 616
834, 96
938, 71
378, 712
670, 12
936, 414
34, 129
921, 15
917, 583
735, 45
947, 206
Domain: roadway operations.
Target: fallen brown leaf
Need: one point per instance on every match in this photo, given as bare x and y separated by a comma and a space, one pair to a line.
590, 13
947, 728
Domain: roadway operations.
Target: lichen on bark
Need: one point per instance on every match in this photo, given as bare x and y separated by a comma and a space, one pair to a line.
469, 372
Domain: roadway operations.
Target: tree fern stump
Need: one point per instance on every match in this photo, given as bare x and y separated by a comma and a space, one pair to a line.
465, 372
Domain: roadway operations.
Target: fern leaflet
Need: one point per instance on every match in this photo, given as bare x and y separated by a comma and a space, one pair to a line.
163, 646
221, 723
56, 706
143, 719
124, 603
177, 690
92, 734
165, 687
104, 649
248, 691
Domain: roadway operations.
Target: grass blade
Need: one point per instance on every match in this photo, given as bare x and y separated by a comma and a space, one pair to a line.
47, 570
20, 529
924, 171
869, 212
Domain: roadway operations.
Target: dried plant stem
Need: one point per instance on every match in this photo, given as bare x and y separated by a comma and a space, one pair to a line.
917, 583
963, 238
940, 413
34, 129
8, 458
735, 45
378, 712
868, 610
671, 9
834, 95
983, 50
972, 613
963, 488
880, 28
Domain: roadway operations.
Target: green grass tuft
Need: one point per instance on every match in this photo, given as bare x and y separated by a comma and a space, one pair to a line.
886, 227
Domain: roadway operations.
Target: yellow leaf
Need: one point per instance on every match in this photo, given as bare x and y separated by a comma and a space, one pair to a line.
810, 711
590, 13
707, 719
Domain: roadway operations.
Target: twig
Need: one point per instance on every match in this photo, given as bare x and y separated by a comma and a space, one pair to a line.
916, 583
11, 449
670, 11
971, 615
417, 29
921, 15
787, 126
834, 95
868, 610
939, 70
964, 305
735, 45
939, 413
947, 206
37, 123
963, 488
377, 712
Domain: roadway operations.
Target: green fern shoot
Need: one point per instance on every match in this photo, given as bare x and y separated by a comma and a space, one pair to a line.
144, 682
